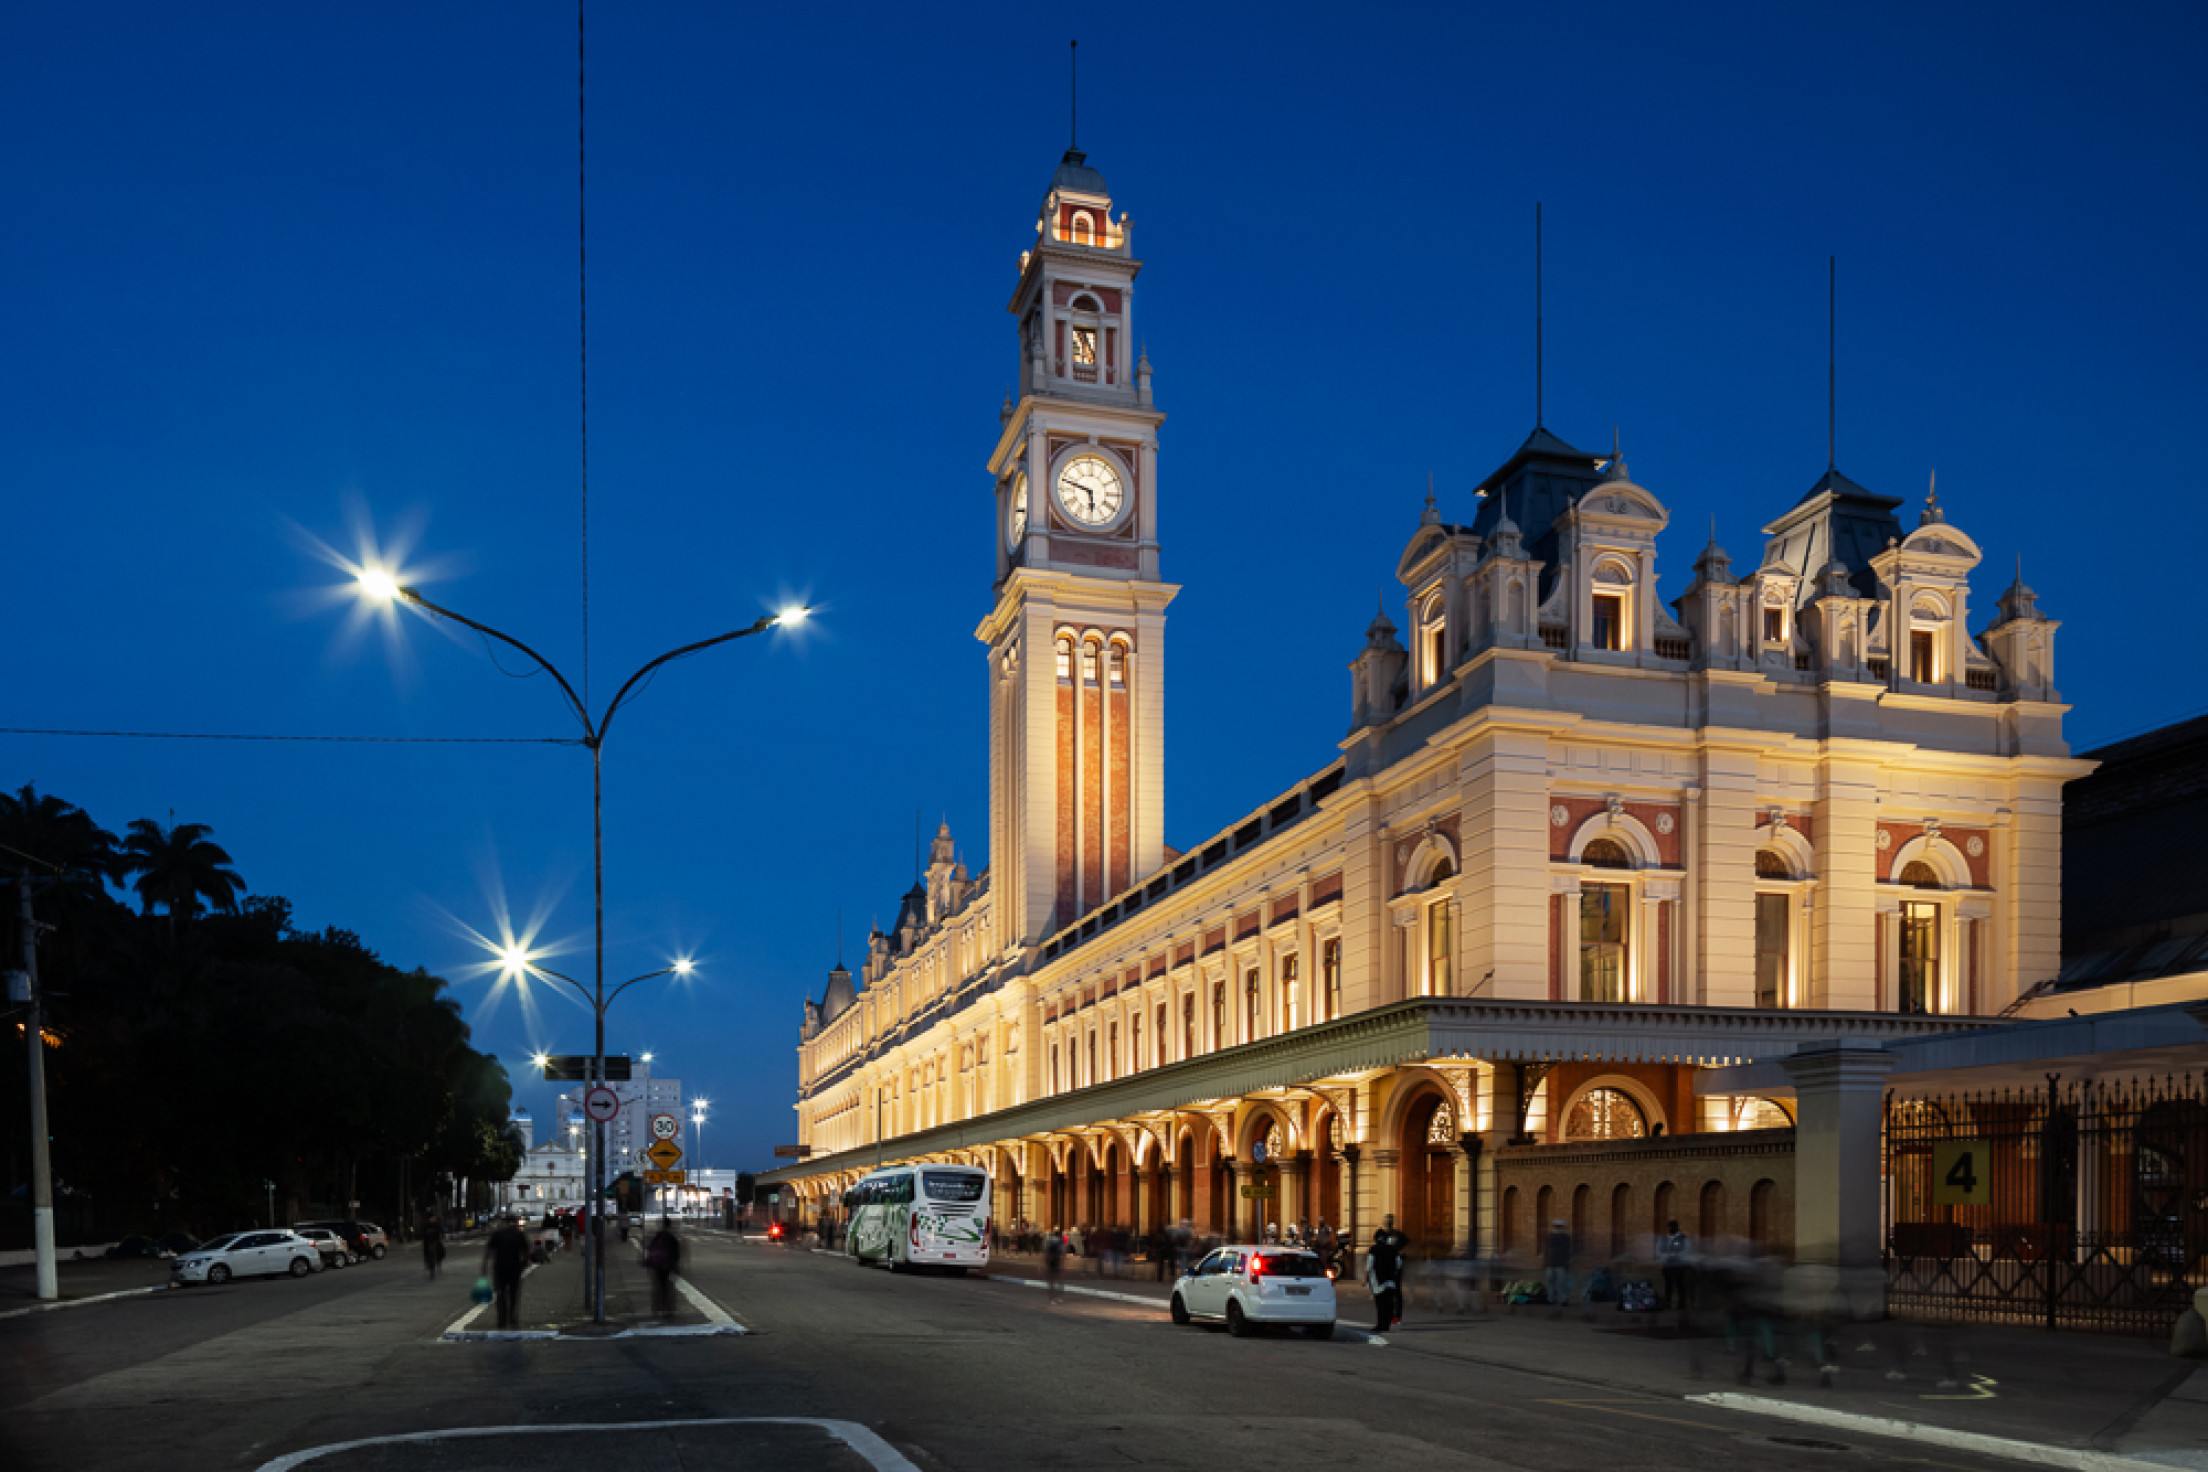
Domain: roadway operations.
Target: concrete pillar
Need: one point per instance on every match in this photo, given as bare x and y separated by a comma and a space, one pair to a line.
1385, 1165
1725, 865
1844, 967
1290, 1205
1141, 1221
1838, 1092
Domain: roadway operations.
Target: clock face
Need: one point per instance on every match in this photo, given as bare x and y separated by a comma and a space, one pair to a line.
1018, 528
1090, 491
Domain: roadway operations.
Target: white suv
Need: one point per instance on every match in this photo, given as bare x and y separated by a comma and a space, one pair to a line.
245, 1255
1251, 1285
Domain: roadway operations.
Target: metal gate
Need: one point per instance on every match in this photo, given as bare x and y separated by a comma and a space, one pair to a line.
2075, 1205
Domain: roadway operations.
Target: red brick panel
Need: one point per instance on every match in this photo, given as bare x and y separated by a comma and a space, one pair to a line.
1577, 810
1215, 939
1981, 865
1326, 889
1122, 778
1092, 783
1283, 909
1064, 911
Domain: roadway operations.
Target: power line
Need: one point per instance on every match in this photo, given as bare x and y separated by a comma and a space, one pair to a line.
289, 736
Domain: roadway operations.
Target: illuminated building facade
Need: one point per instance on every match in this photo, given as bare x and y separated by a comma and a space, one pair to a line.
1577, 847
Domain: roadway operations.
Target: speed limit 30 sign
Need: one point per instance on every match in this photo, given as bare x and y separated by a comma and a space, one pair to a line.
666, 1127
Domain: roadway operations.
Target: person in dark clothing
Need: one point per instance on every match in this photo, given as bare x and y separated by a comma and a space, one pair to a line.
433, 1245
1384, 1275
663, 1255
1556, 1254
1054, 1261
505, 1257
1673, 1251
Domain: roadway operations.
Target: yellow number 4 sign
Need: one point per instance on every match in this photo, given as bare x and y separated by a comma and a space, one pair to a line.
1962, 1173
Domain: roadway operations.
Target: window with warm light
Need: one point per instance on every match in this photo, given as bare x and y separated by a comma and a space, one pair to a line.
1084, 228
1330, 977
1188, 1024
1924, 663
1605, 1114
1289, 977
1609, 621
1774, 624
1218, 1014
1253, 1003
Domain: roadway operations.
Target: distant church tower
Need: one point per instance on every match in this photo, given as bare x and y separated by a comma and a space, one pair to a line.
1077, 638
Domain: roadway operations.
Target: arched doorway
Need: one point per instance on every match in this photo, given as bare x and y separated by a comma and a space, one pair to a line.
1427, 1212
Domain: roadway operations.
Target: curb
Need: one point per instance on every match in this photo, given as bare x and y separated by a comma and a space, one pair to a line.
2080, 1459
47, 1308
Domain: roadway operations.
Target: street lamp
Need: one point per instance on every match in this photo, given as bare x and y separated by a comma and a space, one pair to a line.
697, 1121
381, 585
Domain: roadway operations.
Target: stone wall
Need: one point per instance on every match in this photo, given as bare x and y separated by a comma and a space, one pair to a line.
1617, 1194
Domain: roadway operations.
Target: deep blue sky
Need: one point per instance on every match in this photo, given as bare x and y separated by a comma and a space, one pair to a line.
261, 262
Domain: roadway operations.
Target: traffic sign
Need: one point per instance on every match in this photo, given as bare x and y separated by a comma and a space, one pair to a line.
663, 1153
1962, 1172
601, 1103
792, 1152
574, 1068
665, 1177
666, 1127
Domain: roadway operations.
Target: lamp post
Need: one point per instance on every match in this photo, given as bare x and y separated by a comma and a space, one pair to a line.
380, 585
697, 1135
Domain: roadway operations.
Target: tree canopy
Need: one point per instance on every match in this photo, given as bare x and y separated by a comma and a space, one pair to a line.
207, 1049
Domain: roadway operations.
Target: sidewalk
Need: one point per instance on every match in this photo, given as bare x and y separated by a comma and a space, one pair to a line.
553, 1303
2080, 1396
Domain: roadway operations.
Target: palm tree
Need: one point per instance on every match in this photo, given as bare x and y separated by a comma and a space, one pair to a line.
44, 833
178, 867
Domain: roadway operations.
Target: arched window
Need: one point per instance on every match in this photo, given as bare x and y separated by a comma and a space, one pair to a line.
1712, 1225
1252, 1004
1774, 932
1509, 1235
1927, 631
1661, 1218
1433, 641
1582, 1196
1291, 976
1544, 1211
1760, 1226
1441, 937
1621, 1213
1610, 607
1917, 874
1606, 853
1084, 228
1605, 1114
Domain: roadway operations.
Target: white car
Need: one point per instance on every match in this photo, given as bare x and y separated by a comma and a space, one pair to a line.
1251, 1285
335, 1252
247, 1254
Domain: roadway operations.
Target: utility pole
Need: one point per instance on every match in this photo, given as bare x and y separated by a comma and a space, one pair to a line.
42, 1165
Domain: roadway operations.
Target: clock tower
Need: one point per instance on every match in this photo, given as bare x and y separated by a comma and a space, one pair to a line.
1077, 638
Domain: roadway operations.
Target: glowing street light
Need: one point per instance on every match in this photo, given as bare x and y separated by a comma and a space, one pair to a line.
697, 1129
378, 584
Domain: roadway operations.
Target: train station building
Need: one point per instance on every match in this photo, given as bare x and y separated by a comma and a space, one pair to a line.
1577, 853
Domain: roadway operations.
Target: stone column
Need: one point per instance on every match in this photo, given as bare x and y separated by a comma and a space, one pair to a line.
1386, 1181
1290, 1205
1838, 1097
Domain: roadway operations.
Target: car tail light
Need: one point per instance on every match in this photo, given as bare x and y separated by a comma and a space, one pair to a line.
915, 1232
1257, 1268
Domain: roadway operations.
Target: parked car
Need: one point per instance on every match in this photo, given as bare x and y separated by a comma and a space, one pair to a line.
365, 1238
176, 1244
1252, 1285
336, 1251
245, 1255
136, 1247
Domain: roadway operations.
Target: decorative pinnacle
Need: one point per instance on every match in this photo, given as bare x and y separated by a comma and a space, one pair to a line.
1932, 512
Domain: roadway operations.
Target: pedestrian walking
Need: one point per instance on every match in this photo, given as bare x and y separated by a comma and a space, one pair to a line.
663, 1255
1557, 1257
1323, 1243
1054, 1263
505, 1255
433, 1245
1384, 1262
1672, 1251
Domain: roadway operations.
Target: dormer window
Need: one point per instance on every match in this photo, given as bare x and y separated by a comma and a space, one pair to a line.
1609, 621
1774, 624
1084, 228
1084, 348
1927, 622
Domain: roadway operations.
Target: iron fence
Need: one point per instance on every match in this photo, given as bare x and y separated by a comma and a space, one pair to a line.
2076, 1205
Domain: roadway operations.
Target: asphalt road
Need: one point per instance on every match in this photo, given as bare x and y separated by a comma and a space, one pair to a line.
949, 1373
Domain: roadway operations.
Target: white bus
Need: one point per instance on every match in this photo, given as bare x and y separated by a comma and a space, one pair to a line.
925, 1215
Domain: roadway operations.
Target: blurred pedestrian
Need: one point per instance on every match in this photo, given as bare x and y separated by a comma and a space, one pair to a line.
505, 1257
433, 1245
663, 1255
1054, 1262
1384, 1265
1557, 1257
1672, 1250
1322, 1242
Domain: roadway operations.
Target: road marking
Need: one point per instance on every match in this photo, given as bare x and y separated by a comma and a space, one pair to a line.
1981, 1388
716, 1317
663, 1331
1618, 1408
458, 1327
47, 1308
2078, 1459
879, 1454
1370, 1338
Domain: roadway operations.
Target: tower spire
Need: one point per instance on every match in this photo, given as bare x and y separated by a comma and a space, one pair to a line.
1538, 407
1073, 97
1832, 362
